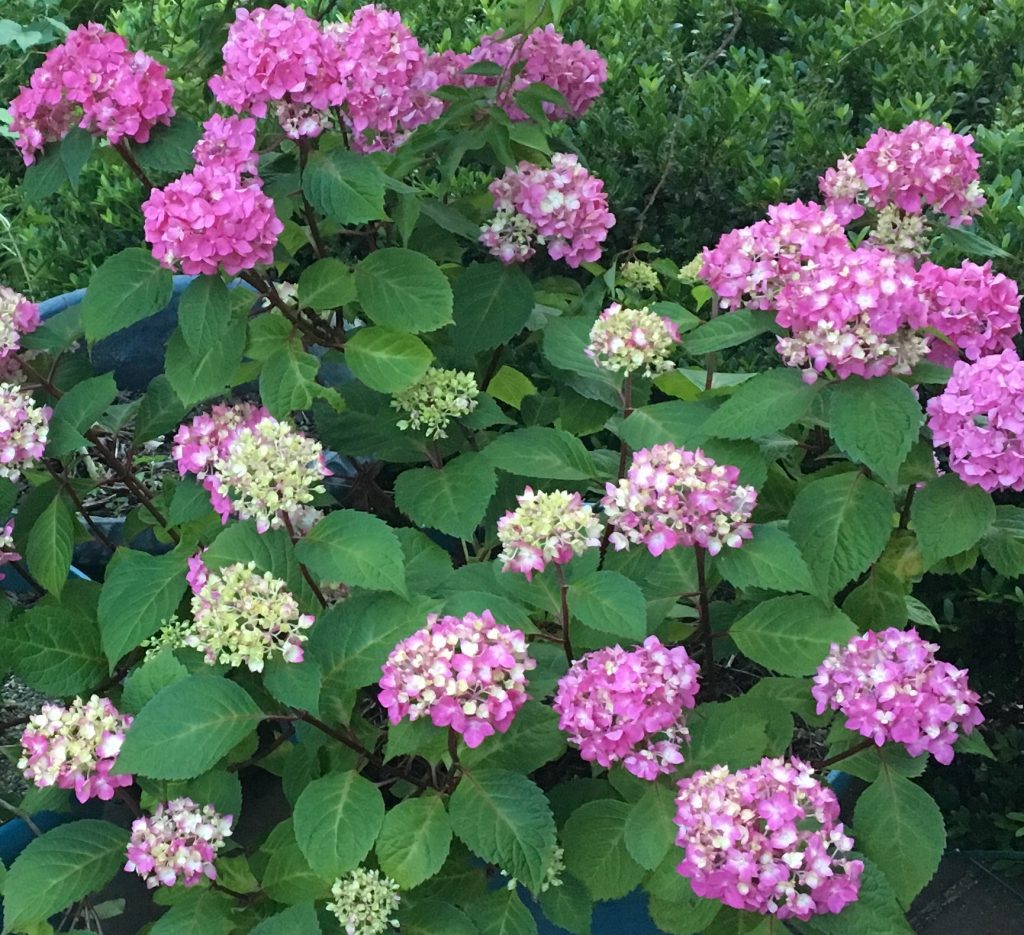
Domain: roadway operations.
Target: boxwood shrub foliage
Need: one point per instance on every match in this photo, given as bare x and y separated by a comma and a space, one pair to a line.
465, 538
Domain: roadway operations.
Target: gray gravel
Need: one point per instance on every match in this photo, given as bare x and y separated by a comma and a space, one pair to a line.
16, 698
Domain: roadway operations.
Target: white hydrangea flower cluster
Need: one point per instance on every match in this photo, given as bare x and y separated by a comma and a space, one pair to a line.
904, 234
627, 340
640, 276
365, 902
241, 617
24, 429
434, 400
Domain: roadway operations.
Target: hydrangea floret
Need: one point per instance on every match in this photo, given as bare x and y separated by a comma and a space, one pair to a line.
890, 686
627, 706
8, 553
18, 316
546, 527
631, 340
673, 497
365, 902
75, 747
433, 401
635, 274
979, 416
24, 429
467, 673
564, 208
177, 843
243, 617
766, 839
228, 143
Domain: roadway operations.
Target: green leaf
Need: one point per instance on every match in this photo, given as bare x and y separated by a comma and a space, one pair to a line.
965, 240
732, 733
541, 452
204, 312
45, 176
354, 548
288, 878
841, 524
404, 290
219, 788
492, 305
900, 828
75, 150
532, 740
876, 910
296, 685
767, 403
434, 917
146, 680
298, 920
564, 340
288, 380
878, 603
189, 503
948, 517
127, 287
326, 284
728, 330
50, 544
337, 819
770, 561
681, 423
59, 867
161, 744
609, 603
649, 831
1003, 545
385, 360
54, 651
511, 386
792, 634
76, 412
414, 841
876, 422
202, 912
170, 147
347, 187
569, 905
159, 411
140, 593
502, 913
505, 818
594, 839
206, 372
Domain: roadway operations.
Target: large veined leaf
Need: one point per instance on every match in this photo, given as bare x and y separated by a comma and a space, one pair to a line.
204, 312
354, 548
326, 284
728, 330
649, 832
162, 744
541, 452
346, 187
385, 360
770, 560
50, 544
452, 499
493, 302
949, 517
764, 404
404, 290
297, 920
505, 818
609, 603
127, 287
414, 840
55, 651
76, 412
594, 839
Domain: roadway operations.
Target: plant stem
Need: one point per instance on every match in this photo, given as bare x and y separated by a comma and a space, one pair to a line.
907, 504
314, 228
564, 589
22, 814
453, 746
129, 160
27, 575
704, 621
66, 486
856, 748
305, 571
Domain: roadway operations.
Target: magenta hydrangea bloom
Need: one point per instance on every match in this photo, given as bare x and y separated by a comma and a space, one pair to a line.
75, 747
766, 839
467, 673
228, 143
980, 416
976, 308
890, 686
627, 707
921, 166
94, 78
564, 208
24, 429
672, 497
18, 316
178, 842
543, 56
8, 553
212, 219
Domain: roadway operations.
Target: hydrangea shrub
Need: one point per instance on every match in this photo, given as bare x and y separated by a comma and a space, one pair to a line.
466, 541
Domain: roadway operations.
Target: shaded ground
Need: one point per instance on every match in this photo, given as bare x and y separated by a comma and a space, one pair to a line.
968, 898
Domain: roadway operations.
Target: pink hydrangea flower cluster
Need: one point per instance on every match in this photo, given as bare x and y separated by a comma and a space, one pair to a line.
980, 417
854, 311
626, 340
252, 464
24, 428
749, 265
890, 686
178, 842
18, 316
213, 218
241, 616
627, 707
542, 57
8, 553
76, 748
564, 208
467, 673
921, 166
672, 497
227, 143
977, 309
766, 839
546, 527
121, 94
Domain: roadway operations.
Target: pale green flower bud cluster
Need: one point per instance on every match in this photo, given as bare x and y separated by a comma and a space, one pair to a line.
365, 902
242, 617
171, 635
626, 340
690, 273
900, 233
433, 401
552, 874
640, 276
268, 471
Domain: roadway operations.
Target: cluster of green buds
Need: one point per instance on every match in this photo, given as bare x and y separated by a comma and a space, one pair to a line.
434, 400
